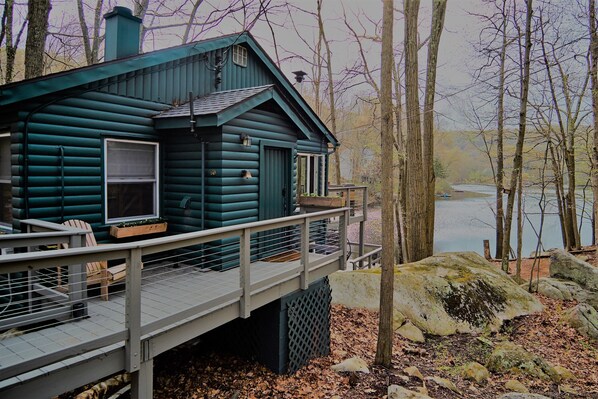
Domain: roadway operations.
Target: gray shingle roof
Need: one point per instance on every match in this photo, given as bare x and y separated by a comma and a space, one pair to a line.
214, 103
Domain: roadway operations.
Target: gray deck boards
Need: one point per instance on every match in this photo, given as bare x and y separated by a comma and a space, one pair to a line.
165, 291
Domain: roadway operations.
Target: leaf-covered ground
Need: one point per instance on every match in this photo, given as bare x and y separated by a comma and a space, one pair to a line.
191, 372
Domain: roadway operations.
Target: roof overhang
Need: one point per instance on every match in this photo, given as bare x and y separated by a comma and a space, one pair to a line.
216, 109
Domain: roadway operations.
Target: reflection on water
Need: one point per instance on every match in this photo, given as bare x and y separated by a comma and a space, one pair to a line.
462, 224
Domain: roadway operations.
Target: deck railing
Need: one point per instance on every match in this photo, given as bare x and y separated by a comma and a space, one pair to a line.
315, 240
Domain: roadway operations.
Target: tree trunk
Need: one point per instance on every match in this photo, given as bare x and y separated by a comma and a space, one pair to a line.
518, 158
337, 159
594, 85
500, 168
415, 209
384, 344
39, 10
400, 167
438, 13
519, 228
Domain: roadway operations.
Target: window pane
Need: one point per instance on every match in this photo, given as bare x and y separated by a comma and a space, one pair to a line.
5, 204
130, 200
5, 158
131, 160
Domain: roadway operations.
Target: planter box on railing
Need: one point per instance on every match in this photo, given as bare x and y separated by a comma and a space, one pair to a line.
322, 202
130, 231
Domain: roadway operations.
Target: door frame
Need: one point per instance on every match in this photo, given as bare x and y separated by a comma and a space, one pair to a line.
262, 172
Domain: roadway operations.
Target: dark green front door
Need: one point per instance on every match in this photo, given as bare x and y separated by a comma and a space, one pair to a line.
275, 194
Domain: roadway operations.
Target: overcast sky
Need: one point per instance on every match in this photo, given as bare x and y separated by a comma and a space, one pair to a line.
454, 56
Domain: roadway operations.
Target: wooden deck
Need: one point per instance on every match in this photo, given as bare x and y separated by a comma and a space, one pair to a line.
171, 297
163, 305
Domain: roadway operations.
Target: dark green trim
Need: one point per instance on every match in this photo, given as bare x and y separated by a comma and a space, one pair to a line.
261, 187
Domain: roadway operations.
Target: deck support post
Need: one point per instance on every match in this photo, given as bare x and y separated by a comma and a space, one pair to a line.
343, 223
305, 253
77, 279
133, 311
142, 381
245, 277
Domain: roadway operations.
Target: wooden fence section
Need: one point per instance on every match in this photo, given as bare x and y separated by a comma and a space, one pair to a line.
154, 314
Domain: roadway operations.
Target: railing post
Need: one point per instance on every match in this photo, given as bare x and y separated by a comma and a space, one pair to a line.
305, 253
77, 280
364, 206
245, 275
133, 313
343, 223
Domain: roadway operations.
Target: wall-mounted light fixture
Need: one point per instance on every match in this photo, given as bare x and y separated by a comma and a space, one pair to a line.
245, 140
245, 174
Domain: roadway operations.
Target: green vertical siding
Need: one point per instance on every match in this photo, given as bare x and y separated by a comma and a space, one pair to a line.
171, 82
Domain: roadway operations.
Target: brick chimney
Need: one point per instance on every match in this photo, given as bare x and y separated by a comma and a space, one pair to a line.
122, 34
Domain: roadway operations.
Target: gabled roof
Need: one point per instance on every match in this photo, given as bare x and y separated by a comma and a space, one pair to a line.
217, 108
27, 89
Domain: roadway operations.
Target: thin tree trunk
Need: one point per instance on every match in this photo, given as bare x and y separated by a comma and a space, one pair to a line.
519, 228
190, 21
415, 209
39, 10
438, 12
518, 159
11, 50
500, 162
84, 32
594, 85
384, 343
337, 159
400, 146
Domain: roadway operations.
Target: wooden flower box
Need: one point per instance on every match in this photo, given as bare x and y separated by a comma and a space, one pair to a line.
130, 231
322, 202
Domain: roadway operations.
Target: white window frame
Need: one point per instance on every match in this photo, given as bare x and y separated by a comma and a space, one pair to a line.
6, 226
156, 181
240, 56
308, 178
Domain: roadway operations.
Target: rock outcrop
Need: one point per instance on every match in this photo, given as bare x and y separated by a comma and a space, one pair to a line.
507, 357
566, 266
442, 294
584, 318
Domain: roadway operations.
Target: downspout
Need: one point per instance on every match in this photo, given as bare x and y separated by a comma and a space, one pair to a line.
203, 184
61, 151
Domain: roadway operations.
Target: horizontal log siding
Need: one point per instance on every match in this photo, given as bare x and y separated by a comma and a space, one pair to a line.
182, 178
239, 197
171, 82
77, 124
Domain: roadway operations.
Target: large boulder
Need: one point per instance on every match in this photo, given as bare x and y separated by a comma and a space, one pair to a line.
566, 266
584, 318
442, 294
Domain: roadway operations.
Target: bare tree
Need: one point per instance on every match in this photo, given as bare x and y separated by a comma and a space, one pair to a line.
594, 86
518, 157
384, 343
91, 44
428, 133
7, 37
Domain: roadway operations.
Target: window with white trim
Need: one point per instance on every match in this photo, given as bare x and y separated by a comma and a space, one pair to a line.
240, 55
310, 174
5, 185
131, 180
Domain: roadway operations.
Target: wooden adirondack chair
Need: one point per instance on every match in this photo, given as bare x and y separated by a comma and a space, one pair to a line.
98, 272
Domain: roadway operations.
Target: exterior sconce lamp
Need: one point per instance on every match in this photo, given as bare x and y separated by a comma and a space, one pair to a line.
245, 174
245, 140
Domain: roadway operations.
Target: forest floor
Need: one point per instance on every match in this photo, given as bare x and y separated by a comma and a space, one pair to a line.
199, 373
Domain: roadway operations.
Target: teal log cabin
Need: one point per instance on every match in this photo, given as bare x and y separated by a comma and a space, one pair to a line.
204, 135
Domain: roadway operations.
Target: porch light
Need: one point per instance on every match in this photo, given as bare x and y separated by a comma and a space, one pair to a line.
245, 174
245, 140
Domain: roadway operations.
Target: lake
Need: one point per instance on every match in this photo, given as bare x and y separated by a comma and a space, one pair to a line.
463, 224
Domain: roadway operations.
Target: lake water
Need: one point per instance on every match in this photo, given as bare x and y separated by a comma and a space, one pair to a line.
463, 224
